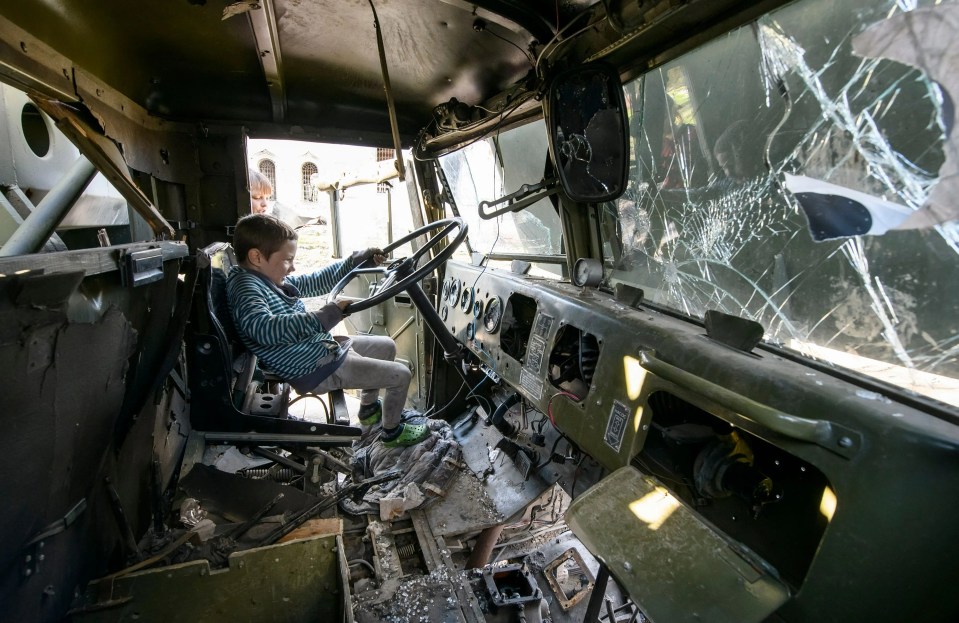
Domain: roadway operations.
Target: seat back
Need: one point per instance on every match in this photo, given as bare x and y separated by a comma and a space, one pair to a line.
226, 396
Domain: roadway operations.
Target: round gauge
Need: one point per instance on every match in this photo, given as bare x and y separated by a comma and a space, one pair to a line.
445, 313
477, 309
466, 299
493, 314
446, 289
470, 331
454, 292
587, 272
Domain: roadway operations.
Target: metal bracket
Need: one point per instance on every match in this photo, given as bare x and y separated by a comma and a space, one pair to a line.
141, 267
33, 550
527, 195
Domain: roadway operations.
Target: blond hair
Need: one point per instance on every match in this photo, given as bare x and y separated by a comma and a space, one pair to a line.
260, 184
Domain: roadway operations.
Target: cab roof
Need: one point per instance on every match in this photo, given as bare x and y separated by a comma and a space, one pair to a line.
311, 67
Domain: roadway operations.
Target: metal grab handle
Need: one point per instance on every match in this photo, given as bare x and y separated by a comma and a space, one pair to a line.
829, 435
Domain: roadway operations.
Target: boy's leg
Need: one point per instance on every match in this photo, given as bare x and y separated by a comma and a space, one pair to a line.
376, 347
369, 367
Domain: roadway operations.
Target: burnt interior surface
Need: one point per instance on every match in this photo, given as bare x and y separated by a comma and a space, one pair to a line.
573, 359
752, 491
516, 325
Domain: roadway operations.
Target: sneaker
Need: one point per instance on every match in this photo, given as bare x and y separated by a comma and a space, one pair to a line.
373, 415
406, 434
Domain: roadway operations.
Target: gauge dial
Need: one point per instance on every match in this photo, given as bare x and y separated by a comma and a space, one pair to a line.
454, 292
446, 289
478, 309
587, 272
466, 299
493, 314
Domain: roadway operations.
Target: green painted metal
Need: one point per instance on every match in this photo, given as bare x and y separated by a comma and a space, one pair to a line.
675, 567
297, 581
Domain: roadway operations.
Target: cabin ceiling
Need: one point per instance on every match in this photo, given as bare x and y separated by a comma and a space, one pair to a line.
273, 65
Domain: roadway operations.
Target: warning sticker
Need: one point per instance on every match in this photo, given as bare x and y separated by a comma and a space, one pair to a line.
543, 324
616, 426
532, 385
534, 353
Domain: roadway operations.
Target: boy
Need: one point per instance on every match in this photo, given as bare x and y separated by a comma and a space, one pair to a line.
260, 191
296, 344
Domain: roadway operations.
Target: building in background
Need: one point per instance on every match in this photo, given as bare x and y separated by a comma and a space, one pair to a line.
373, 205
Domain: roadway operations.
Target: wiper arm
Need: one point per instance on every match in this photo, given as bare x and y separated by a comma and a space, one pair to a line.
527, 195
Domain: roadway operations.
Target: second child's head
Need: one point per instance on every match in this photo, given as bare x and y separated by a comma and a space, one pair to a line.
265, 244
260, 191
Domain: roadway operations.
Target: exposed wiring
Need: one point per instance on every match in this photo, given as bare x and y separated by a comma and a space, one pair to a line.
549, 405
528, 56
555, 40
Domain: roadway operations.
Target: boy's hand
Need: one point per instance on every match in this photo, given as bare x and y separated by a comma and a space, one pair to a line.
374, 253
331, 314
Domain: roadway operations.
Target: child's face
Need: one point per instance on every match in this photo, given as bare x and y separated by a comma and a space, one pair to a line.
258, 198
278, 265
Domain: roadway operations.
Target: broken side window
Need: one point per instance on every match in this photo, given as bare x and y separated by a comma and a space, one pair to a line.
791, 172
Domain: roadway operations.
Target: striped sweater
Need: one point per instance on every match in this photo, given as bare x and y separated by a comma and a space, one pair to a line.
274, 324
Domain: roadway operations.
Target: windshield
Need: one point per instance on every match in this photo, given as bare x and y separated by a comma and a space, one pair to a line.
492, 168
783, 173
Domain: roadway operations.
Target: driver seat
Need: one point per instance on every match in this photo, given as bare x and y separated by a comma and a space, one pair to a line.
228, 389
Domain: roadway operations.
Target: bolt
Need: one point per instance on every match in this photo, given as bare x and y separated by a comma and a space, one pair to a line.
845, 442
628, 567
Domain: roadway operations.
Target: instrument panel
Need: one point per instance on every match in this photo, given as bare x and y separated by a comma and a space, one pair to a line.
631, 386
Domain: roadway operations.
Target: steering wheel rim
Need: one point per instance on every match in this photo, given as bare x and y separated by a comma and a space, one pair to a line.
411, 277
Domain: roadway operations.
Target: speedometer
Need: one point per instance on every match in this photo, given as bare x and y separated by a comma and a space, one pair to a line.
493, 314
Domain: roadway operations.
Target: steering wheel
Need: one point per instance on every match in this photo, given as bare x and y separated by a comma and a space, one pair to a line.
402, 273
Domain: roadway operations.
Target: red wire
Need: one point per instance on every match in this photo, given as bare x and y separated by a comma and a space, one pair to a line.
549, 404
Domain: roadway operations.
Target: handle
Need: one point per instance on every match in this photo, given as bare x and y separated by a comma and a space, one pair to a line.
829, 435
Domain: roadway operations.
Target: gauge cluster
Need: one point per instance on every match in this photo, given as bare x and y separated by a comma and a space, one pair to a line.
469, 309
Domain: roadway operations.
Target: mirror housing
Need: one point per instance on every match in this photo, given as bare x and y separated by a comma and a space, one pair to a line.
585, 115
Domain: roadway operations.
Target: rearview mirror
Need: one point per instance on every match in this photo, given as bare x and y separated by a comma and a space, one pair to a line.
586, 119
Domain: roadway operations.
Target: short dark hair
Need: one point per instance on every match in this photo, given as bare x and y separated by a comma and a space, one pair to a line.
263, 232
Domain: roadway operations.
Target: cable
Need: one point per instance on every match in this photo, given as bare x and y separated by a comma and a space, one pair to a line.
549, 405
358, 561
554, 41
528, 56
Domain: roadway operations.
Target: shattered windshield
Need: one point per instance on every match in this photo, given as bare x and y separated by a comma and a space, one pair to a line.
489, 169
798, 172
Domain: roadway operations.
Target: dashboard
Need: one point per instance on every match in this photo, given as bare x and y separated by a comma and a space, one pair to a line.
762, 448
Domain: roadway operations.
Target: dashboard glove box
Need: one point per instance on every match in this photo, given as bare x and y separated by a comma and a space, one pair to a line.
674, 566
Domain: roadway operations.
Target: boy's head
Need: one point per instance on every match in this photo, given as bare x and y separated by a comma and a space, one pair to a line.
260, 191
265, 244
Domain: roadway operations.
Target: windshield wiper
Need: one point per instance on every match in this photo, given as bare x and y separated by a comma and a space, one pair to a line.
527, 195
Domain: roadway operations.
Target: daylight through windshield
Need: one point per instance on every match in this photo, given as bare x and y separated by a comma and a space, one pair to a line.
779, 174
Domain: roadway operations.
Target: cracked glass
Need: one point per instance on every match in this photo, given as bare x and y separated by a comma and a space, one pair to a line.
796, 172
491, 168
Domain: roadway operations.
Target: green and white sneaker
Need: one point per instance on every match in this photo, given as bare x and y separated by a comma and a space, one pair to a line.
405, 435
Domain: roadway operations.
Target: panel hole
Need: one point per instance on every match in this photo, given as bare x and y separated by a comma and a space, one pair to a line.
35, 130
